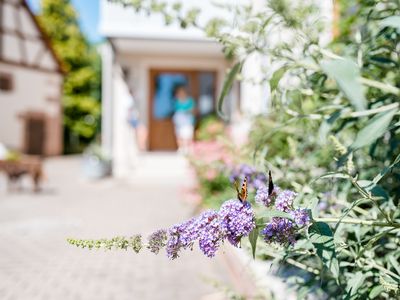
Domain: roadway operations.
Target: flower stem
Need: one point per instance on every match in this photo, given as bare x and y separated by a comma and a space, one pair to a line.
358, 221
380, 85
368, 196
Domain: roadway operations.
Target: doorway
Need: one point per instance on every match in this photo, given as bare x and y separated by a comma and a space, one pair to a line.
201, 85
34, 133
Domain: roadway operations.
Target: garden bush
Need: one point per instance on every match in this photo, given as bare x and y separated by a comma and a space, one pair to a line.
331, 139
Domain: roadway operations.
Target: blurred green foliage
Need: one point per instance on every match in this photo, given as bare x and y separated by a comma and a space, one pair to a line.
80, 60
332, 133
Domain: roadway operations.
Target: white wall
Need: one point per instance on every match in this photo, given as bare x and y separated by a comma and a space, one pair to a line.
124, 148
32, 90
119, 21
107, 65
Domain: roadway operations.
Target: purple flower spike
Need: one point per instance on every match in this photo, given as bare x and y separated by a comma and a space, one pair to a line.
284, 200
211, 233
181, 236
301, 216
237, 220
279, 230
263, 198
157, 240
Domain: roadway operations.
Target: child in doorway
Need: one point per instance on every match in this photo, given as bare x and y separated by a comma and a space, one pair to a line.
183, 117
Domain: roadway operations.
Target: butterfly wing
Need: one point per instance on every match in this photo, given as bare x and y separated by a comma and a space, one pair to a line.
242, 194
270, 183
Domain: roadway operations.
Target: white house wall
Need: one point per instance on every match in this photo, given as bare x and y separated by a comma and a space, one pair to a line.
124, 148
119, 21
21, 40
32, 90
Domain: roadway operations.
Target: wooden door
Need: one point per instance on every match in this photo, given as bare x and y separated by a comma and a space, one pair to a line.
35, 136
161, 128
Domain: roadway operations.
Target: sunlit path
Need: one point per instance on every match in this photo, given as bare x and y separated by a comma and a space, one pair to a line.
37, 263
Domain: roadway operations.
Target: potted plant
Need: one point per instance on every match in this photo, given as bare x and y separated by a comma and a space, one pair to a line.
96, 163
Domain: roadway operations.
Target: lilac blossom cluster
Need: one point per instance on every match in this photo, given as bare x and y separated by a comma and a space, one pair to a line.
265, 198
284, 200
234, 220
282, 230
255, 179
237, 220
300, 216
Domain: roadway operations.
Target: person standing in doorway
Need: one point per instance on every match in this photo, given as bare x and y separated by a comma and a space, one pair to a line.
183, 117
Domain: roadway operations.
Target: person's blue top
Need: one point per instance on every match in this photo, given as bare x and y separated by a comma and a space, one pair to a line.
184, 106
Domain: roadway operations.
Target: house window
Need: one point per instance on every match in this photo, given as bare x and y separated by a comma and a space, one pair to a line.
6, 82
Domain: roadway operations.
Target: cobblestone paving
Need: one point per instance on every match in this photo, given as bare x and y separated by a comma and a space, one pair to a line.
37, 263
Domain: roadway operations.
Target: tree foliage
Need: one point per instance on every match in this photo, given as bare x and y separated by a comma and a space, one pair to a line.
81, 94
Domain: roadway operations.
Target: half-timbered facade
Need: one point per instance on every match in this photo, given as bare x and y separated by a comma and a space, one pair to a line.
31, 81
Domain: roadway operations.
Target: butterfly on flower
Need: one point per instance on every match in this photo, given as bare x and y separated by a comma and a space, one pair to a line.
270, 184
242, 193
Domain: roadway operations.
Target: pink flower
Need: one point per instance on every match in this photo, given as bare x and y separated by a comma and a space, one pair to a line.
210, 174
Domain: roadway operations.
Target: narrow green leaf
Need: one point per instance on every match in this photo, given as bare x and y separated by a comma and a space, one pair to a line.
373, 188
253, 236
392, 21
375, 128
326, 126
229, 79
276, 77
354, 284
346, 73
322, 238
331, 175
386, 170
313, 206
394, 263
376, 291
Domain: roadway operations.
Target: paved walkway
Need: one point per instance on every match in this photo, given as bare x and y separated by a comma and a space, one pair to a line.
37, 263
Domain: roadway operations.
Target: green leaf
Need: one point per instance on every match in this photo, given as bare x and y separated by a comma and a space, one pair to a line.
326, 126
376, 291
322, 238
373, 188
346, 73
386, 170
332, 175
276, 77
313, 206
354, 284
394, 263
229, 79
253, 236
392, 21
375, 128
